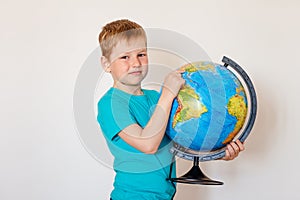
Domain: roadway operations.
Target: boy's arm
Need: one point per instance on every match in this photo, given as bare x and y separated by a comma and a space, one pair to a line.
148, 139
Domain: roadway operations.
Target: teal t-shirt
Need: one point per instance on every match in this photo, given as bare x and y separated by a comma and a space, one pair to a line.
138, 175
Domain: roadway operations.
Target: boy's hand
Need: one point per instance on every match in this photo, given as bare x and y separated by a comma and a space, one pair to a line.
173, 83
233, 149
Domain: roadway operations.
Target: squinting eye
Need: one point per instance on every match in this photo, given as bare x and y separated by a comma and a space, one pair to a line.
142, 55
125, 57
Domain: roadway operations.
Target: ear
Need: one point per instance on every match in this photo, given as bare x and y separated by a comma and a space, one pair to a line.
105, 64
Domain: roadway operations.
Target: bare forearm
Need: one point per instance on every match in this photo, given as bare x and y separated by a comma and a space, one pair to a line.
156, 127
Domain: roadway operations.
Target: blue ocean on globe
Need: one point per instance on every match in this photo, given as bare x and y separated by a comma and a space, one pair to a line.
209, 110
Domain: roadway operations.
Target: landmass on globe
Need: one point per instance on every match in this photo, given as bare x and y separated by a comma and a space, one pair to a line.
189, 106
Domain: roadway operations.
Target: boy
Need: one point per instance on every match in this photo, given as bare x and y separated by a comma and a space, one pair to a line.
134, 120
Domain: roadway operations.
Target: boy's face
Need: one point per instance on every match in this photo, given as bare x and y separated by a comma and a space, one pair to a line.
128, 62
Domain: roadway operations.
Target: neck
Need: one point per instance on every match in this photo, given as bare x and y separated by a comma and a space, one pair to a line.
133, 89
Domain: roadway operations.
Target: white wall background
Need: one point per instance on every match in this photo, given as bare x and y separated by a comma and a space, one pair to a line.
44, 43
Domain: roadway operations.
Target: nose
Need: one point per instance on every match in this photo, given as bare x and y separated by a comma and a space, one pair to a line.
135, 62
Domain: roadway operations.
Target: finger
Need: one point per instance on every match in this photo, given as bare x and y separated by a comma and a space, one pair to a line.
180, 70
231, 151
235, 147
230, 155
227, 155
175, 74
240, 144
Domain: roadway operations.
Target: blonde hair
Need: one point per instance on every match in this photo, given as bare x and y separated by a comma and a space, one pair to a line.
117, 30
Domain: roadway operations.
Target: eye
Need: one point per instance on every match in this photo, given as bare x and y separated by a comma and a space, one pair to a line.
124, 57
142, 54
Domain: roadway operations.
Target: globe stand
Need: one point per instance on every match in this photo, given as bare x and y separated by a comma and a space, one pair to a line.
196, 176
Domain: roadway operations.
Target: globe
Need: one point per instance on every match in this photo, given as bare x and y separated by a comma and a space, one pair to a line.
209, 110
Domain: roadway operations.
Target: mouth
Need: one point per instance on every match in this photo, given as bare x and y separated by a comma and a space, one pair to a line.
136, 73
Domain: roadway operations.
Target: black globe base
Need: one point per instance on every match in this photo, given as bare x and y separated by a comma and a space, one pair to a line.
196, 176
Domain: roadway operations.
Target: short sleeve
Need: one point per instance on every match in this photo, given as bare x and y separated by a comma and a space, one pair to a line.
113, 116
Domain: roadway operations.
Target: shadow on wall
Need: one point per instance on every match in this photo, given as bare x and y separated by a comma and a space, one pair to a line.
270, 116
